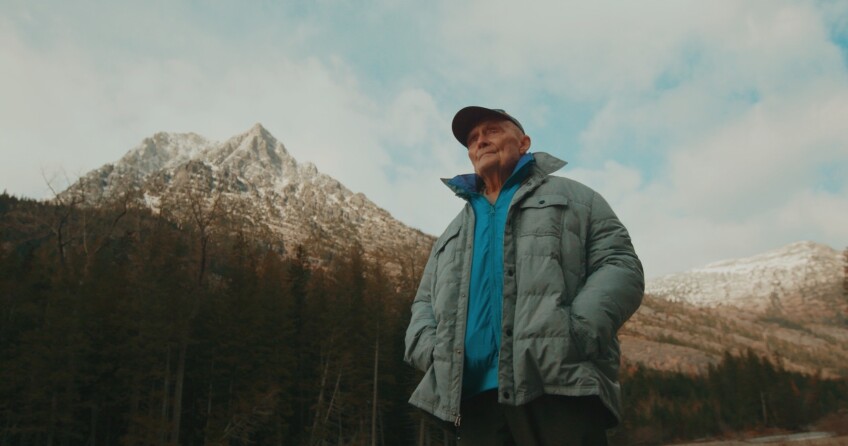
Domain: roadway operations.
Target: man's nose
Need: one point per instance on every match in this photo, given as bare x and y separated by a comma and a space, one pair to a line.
482, 142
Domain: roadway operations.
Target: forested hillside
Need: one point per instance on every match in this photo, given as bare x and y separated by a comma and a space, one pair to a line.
741, 394
121, 327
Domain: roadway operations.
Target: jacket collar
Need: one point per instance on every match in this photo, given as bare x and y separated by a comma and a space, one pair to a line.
545, 164
548, 163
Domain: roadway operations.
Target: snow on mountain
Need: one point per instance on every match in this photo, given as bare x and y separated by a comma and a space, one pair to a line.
161, 151
803, 276
251, 179
164, 150
786, 304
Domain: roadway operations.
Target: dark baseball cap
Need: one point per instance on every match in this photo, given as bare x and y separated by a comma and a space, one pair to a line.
468, 117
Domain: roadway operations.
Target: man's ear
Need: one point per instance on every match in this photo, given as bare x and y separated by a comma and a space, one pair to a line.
525, 144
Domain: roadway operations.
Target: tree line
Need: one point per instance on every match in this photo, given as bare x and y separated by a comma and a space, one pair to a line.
124, 327
119, 325
740, 393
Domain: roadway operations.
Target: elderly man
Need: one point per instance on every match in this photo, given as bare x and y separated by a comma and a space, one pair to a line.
515, 320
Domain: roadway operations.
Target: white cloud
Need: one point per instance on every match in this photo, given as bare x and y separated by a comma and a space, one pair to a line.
574, 49
617, 183
413, 117
48, 100
423, 151
744, 186
595, 50
755, 162
669, 240
817, 214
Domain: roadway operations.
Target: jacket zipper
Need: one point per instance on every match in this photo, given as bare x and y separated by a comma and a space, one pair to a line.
458, 420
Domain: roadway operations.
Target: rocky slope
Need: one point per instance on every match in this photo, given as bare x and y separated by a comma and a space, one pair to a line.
254, 185
787, 304
795, 279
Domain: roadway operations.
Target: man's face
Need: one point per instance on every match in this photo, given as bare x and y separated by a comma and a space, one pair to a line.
494, 147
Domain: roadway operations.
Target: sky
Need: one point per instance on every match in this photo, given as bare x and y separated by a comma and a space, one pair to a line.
714, 129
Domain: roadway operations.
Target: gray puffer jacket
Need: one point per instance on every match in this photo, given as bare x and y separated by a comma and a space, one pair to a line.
571, 279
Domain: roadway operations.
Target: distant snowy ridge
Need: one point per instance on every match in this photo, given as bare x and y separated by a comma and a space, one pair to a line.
787, 304
797, 275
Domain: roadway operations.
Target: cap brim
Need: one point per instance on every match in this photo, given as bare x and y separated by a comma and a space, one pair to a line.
468, 117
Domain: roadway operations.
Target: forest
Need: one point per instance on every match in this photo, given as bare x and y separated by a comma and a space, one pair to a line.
120, 326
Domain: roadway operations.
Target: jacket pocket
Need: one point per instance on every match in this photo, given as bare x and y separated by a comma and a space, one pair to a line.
546, 352
426, 394
447, 275
571, 350
542, 215
584, 339
447, 247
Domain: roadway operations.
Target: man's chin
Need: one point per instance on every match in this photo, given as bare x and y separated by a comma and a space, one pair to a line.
484, 167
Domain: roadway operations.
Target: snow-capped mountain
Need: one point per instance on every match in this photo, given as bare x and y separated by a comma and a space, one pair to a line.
787, 304
789, 279
252, 180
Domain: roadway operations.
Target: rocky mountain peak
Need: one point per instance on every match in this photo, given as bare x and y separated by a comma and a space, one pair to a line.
260, 131
266, 192
163, 150
254, 151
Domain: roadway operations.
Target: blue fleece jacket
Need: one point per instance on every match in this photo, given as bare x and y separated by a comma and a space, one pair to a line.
483, 332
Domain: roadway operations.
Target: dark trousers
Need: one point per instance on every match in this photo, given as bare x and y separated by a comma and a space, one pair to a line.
549, 420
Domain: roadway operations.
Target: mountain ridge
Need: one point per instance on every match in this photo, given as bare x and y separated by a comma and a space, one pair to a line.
788, 304
262, 186
778, 277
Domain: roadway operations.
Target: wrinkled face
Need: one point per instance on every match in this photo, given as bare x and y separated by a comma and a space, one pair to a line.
494, 147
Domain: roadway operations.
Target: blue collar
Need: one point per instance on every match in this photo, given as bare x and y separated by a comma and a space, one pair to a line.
467, 184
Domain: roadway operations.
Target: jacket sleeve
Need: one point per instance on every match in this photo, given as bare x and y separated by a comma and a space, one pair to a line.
614, 285
421, 333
